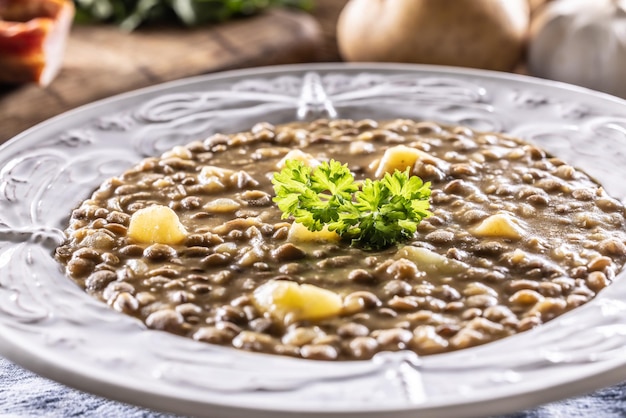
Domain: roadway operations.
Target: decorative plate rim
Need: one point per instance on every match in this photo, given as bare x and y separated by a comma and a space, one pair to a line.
15, 348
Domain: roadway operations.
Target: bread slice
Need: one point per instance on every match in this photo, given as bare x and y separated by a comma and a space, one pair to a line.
33, 35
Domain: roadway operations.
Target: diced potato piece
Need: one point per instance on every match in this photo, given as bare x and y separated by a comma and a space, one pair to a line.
156, 224
226, 248
164, 182
427, 339
210, 172
361, 147
222, 205
214, 179
430, 261
300, 233
500, 225
178, 152
290, 302
400, 157
296, 154
212, 185
251, 256
518, 256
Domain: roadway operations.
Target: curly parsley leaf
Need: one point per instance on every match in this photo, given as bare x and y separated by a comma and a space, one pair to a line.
376, 215
313, 197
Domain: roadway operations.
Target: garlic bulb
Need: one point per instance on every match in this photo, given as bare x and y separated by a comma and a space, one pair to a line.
488, 34
581, 42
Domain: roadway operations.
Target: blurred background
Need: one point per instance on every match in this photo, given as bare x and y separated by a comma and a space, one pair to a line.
56, 55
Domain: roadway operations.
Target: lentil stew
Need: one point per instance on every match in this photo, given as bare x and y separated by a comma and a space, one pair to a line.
192, 243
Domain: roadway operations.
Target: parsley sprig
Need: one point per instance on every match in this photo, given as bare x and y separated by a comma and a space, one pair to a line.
373, 215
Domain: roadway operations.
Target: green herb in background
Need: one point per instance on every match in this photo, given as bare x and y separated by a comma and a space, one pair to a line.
373, 216
130, 14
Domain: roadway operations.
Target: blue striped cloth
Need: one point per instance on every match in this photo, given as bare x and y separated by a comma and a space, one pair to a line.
24, 395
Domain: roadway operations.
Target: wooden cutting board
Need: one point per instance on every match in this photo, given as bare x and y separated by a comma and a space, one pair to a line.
101, 61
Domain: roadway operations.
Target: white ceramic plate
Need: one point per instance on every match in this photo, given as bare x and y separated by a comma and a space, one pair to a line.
50, 326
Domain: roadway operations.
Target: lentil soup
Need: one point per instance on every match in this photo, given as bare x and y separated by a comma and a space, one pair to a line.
192, 243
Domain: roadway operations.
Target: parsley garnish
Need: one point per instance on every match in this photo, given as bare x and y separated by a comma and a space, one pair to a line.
374, 216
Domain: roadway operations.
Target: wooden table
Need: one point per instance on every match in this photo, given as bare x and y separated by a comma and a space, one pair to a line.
101, 61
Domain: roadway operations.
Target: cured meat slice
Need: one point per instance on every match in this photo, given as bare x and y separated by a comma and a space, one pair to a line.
33, 34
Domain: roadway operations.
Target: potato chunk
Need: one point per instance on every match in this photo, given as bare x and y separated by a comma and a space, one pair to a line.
290, 302
178, 152
156, 224
222, 205
300, 233
303, 157
400, 157
397, 158
500, 225
430, 261
210, 172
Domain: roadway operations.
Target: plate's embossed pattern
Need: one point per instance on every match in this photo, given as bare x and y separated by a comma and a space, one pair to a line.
49, 324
